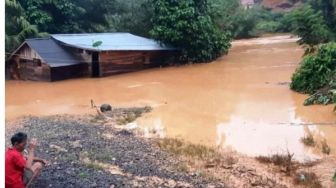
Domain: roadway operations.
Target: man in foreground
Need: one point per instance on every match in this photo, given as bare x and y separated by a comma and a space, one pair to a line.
19, 171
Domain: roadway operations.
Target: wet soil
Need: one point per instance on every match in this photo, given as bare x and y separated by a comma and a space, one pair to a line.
84, 153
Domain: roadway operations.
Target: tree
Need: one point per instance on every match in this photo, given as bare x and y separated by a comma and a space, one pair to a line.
95, 17
131, 16
17, 28
225, 13
64, 16
187, 24
309, 26
317, 75
59, 16
328, 11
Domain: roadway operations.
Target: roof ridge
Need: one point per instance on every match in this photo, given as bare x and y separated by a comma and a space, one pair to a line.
46, 38
78, 34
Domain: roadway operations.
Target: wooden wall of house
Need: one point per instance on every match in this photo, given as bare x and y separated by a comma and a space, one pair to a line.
26, 52
28, 65
67, 72
85, 55
29, 70
115, 62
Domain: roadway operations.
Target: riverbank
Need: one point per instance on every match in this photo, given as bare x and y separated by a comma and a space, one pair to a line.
83, 153
101, 151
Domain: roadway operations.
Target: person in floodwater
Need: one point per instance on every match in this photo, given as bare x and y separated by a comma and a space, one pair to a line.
20, 171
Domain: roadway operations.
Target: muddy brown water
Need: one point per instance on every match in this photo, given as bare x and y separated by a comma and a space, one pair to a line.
241, 101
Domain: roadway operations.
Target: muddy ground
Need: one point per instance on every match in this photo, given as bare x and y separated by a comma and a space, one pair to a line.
84, 154
95, 151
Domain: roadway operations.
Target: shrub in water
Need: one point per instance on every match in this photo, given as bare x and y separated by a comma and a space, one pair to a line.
317, 75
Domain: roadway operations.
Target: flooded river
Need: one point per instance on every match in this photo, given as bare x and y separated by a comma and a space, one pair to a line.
241, 101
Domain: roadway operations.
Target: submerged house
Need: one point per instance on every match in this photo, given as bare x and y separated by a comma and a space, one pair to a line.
64, 56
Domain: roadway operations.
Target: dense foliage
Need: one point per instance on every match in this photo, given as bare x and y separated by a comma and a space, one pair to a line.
17, 26
328, 11
309, 25
202, 29
77, 16
131, 16
188, 25
317, 75
244, 23
315, 24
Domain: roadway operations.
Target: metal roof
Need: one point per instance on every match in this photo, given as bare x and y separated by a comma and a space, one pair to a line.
110, 42
52, 53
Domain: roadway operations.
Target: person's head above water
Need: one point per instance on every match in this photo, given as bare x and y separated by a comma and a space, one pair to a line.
19, 141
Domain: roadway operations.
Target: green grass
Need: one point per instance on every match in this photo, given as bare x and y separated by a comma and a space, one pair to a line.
104, 157
94, 166
179, 147
83, 175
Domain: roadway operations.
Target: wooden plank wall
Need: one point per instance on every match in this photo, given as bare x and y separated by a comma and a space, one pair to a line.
27, 53
29, 70
67, 72
85, 55
128, 61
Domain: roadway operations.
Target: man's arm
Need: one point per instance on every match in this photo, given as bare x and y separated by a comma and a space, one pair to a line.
36, 159
31, 152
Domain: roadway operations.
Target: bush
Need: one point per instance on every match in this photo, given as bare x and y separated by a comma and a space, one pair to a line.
187, 24
266, 27
309, 25
252, 22
317, 75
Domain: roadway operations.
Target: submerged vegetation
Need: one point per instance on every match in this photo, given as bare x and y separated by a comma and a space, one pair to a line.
317, 75
187, 24
320, 143
286, 164
308, 140
315, 24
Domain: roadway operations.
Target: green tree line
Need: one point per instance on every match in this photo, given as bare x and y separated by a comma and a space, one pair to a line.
201, 29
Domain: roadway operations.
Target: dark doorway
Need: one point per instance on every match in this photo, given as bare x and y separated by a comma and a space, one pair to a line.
95, 64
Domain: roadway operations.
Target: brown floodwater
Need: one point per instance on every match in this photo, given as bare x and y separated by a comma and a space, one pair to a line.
241, 101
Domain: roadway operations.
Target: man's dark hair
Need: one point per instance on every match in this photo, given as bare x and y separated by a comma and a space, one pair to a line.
18, 138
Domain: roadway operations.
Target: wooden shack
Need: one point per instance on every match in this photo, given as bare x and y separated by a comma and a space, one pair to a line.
118, 52
64, 56
45, 60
